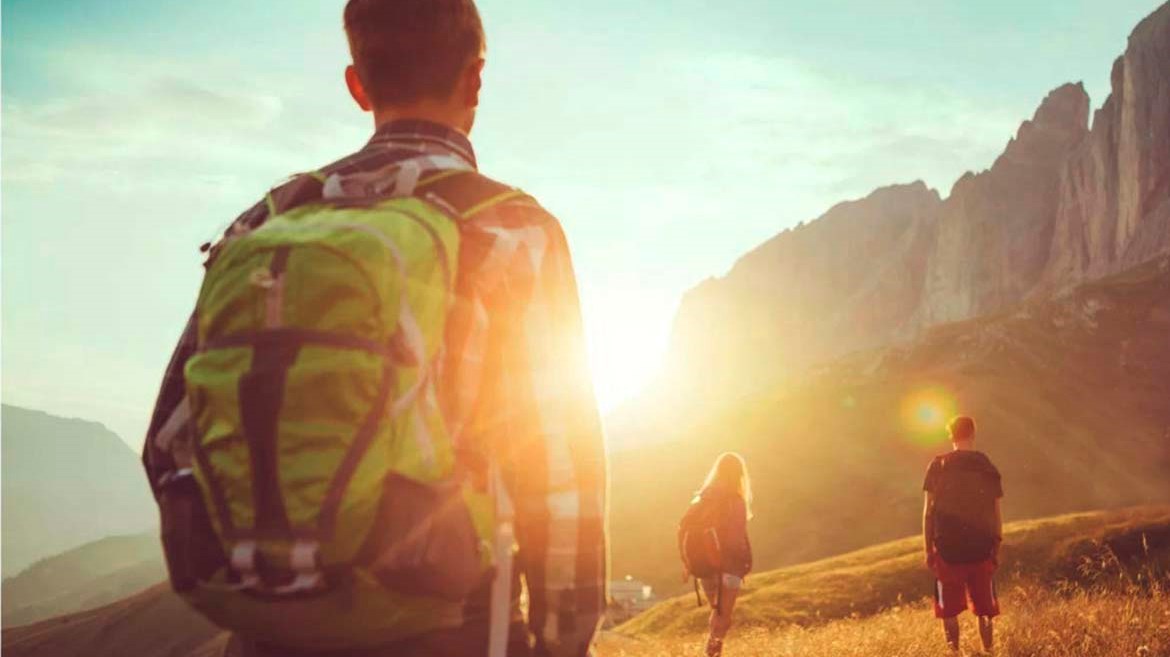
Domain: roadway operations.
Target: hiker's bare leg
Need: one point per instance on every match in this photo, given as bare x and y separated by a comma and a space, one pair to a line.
714, 638
985, 632
710, 590
951, 628
720, 622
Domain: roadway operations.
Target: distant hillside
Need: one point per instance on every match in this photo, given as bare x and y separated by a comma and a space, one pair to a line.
85, 577
1072, 397
65, 482
1051, 550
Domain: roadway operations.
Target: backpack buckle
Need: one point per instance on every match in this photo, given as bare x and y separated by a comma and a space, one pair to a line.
303, 558
304, 561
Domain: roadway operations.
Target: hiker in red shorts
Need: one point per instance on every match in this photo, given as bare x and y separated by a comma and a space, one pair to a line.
963, 528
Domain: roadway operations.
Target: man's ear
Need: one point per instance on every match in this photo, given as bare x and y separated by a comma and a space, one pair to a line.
356, 89
472, 82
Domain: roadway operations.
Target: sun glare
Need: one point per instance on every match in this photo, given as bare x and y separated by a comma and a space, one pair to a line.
925, 413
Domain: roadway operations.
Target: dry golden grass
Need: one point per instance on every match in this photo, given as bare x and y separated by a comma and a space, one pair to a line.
1037, 622
1084, 549
1083, 585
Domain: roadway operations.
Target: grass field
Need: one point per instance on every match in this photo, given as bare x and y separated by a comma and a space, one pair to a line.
1037, 621
1075, 550
1078, 585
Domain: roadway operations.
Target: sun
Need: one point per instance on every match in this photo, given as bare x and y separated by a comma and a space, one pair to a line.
627, 339
621, 367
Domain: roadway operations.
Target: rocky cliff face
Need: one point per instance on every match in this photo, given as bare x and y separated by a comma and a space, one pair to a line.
1114, 208
1063, 204
850, 279
995, 228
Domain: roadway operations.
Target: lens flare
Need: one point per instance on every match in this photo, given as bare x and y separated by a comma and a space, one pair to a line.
925, 414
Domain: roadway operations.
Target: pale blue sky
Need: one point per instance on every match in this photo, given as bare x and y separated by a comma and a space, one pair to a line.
670, 137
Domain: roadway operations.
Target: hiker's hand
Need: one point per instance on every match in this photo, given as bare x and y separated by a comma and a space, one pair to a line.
685, 576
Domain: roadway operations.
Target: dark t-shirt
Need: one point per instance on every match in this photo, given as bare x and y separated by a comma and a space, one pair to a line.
965, 485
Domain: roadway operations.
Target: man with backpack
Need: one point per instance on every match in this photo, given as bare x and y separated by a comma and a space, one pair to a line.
963, 528
383, 389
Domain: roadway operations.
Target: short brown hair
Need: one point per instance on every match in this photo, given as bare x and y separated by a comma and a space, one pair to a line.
408, 50
961, 428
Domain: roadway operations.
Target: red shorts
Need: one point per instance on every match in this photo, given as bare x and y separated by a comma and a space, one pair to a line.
958, 584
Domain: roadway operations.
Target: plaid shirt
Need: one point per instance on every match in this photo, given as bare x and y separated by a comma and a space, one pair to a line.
514, 381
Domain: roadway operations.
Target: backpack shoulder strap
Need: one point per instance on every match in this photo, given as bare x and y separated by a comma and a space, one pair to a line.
942, 473
300, 189
944, 462
466, 193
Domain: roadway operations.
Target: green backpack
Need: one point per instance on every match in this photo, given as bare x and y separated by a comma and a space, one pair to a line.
334, 497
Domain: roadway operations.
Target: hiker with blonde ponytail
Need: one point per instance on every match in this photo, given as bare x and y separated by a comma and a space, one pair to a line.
713, 542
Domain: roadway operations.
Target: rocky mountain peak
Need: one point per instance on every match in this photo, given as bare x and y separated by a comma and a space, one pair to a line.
1114, 209
1065, 107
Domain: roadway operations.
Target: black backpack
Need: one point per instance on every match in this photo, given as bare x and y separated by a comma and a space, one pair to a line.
964, 507
698, 537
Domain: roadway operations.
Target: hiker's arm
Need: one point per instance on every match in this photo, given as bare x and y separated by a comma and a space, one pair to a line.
929, 485
998, 529
928, 526
998, 518
739, 551
747, 543
553, 437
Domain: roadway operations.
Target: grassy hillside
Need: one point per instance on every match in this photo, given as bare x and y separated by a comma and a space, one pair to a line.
785, 612
1070, 394
65, 482
89, 576
1071, 549
1037, 622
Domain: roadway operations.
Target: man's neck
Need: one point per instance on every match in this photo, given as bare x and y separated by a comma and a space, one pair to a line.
419, 112
964, 446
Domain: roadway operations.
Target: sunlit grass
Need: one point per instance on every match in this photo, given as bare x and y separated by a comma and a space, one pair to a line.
1037, 621
1115, 548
